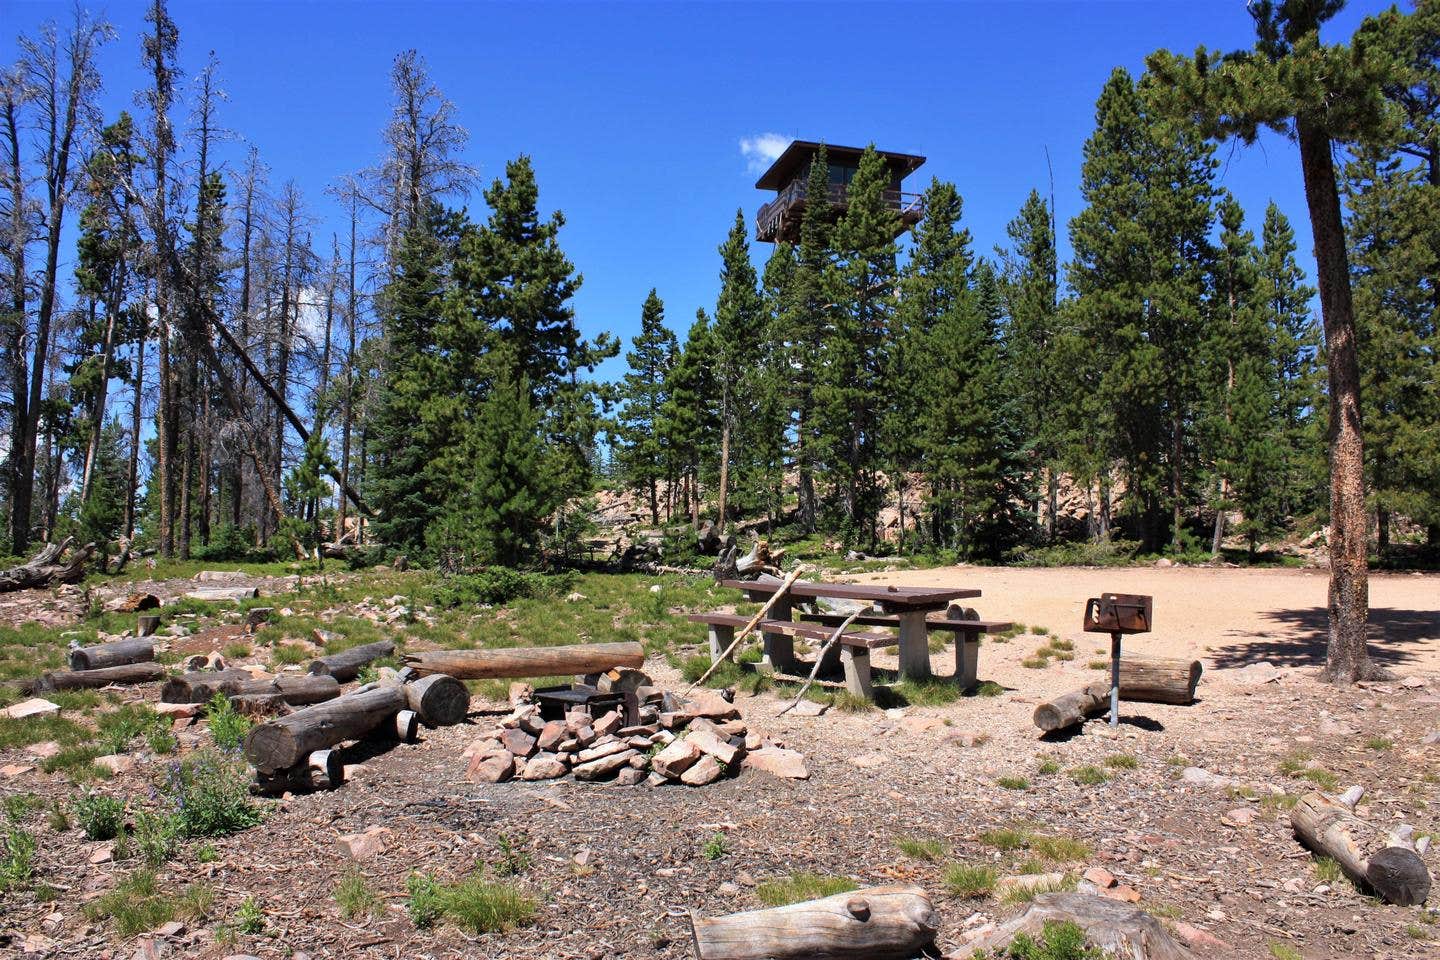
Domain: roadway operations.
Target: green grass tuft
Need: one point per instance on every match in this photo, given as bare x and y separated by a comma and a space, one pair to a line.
921, 848
799, 887
969, 880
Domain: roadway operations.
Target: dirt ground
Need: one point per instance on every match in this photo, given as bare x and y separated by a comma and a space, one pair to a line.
617, 869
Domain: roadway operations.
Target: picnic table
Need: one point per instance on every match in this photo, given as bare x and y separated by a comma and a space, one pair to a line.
914, 611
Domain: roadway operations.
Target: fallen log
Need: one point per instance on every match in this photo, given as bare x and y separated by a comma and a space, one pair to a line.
1071, 708
346, 665
135, 603
880, 923
1159, 679
527, 661
45, 569
282, 743
115, 654
129, 673
201, 686
439, 700
221, 594
1120, 930
1387, 864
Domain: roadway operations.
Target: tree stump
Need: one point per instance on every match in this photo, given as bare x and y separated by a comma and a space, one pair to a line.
1123, 931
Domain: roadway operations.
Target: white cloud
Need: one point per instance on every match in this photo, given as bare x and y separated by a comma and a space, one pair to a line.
763, 149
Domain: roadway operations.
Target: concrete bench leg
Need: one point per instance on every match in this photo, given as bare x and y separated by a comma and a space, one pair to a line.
830, 663
779, 647
967, 660
914, 645
720, 639
856, 661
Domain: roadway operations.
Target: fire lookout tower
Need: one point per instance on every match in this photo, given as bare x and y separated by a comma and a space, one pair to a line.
780, 218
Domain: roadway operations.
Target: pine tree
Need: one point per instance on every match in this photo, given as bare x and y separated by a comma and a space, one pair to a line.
1243, 426
689, 416
933, 281
1032, 336
1139, 275
642, 454
738, 339
773, 386
1295, 338
850, 392
1319, 94
404, 430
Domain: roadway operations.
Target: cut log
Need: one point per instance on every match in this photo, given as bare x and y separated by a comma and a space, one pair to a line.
1072, 708
439, 699
407, 726
1159, 679
147, 623
347, 664
45, 569
282, 743
1122, 931
129, 673
528, 661
322, 770
221, 594
1387, 865
877, 923
113, 654
201, 685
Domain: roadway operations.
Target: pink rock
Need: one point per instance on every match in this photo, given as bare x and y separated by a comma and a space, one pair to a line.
518, 742
1202, 941
711, 706
1101, 877
116, 762
494, 767
675, 759
1124, 893
181, 710
43, 751
629, 777
708, 743
705, 770
543, 766
603, 749
778, 762
608, 724
603, 767
363, 846
16, 769
34, 707
551, 735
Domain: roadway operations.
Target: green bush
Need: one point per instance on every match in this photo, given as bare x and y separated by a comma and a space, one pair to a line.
156, 837
17, 864
496, 585
422, 899
227, 727
209, 794
100, 816
1059, 940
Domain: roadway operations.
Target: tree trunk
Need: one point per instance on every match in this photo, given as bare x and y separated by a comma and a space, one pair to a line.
1390, 866
528, 661
1120, 930
1347, 658
876, 923
282, 743
346, 665
439, 700
201, 686
45, 568
113, 654
130, 673
724, 476
1069, 709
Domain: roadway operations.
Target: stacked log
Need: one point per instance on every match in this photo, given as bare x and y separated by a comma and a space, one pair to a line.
200, 686
528, 661
115, 654
284, 742
347, 664
1142, 680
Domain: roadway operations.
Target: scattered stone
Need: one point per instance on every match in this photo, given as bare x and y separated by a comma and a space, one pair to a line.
1201, 941
518, 742
1027, 881
778, 762
551, 735
43, 751
603, 767
1413, 683
1204, 778
521, 693
178, 710
103, 853
172, 929
1124, 893
363, 846
1239, 817
608, 724
1254, 674
1101, 877
603, 748
543, 766
116, 762
34, 707
629, 777
712, 745
11, 770
711, 706
809, 708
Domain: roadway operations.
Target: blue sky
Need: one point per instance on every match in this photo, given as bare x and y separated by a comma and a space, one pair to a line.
635, 114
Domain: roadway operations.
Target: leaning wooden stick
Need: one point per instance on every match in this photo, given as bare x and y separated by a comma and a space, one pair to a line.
741, 635
834, 639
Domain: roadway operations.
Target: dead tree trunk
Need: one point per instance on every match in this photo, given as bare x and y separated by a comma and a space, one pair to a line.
1122, 931
439, 700
45, 569
528, 661
346, 665
878, 923
111, 654
130, 673
282, 743
1069, 709
1390, 865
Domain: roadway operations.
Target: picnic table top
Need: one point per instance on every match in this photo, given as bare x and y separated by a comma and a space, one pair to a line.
887, 595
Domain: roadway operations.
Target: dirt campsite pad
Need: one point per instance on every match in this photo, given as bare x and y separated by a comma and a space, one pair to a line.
1182, 810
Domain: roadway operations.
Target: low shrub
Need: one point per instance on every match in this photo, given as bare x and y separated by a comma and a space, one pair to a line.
227, 727
354, 896
1058, 940
209, 795
17, 860
920, 848
970, 880
496, 585
100, 816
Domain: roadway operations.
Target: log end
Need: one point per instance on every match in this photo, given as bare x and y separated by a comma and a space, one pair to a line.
1399, 876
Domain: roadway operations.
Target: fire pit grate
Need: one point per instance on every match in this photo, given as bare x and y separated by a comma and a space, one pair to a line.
556, 701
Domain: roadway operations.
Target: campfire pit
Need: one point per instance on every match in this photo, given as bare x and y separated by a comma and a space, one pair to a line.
555, 702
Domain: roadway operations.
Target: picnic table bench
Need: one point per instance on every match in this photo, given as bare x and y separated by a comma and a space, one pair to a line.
912, 611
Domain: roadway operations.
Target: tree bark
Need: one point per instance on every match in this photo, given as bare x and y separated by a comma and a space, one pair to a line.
200, 686
1122, 931
45, 568
282, 743
130, 673
1390, 866
111, 654
1347, 658
346, 665
876, 923
528, 661
439, 700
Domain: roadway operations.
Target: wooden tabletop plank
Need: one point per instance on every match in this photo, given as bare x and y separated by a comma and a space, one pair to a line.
887, 595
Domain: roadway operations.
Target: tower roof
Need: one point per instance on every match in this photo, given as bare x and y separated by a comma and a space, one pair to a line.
800, 152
